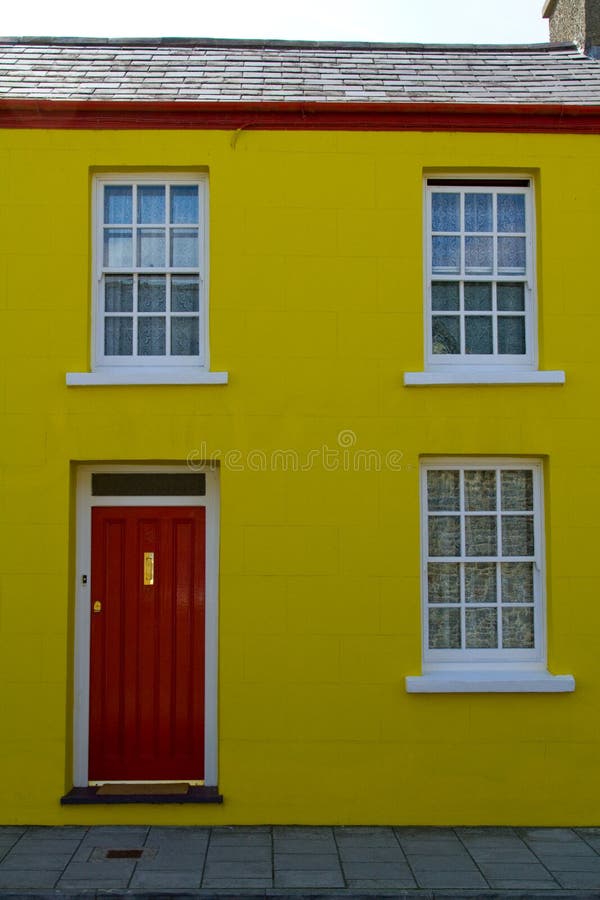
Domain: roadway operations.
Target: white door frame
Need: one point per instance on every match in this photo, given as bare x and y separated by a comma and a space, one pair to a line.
85, 501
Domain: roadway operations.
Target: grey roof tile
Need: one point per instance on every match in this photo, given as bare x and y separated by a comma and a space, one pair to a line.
212, 69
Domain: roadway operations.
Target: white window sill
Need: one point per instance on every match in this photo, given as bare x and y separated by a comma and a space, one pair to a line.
483, 376
148, 376
486, 682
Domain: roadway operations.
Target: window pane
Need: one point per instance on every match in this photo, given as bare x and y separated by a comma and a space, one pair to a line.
479, 334
517, 536
511, 334
118, 293
478, 212
517, 628
152, 293
118, 336
480, 536
481, 626
443, 583
184, 204
517, 582
444, 536
445, 212
479, 254
151, 247
445, 295
480, 490
151, 336
184, 336
517, 490
184, 247
478, 295
443, 490
446, 255
511, 256
511, 212
118, 248
117, 204
445, 334
151, 204
480, 582
444, 629
511, 297
185, 293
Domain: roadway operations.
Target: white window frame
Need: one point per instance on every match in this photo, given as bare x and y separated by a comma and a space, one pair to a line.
504, 656
480, 670
163, 366
470, 363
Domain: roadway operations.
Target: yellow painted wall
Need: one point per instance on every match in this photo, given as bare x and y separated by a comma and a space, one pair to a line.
316, 312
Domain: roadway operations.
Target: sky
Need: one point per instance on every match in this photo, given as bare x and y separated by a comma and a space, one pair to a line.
426, 21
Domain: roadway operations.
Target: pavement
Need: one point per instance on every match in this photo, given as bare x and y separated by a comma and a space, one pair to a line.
298, 862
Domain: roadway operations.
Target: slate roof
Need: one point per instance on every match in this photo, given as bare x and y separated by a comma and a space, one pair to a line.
250, 71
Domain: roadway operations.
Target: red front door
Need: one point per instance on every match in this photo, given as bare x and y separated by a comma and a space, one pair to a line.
147, 644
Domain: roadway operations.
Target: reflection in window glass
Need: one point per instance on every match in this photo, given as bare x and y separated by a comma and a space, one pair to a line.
479, 263
445, 212
149, 243
118, 204
151, 336
151, 204
478, 212
481, 590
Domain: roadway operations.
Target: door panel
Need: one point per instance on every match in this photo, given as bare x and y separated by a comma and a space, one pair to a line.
147, 644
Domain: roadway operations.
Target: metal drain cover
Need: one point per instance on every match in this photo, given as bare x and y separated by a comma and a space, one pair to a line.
99, 853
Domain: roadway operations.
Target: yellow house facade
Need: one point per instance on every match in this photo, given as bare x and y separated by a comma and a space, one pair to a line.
300, 451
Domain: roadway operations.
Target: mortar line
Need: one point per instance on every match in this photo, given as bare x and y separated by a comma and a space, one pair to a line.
471, 857
208, 843
585, 841
339, 859
405, 855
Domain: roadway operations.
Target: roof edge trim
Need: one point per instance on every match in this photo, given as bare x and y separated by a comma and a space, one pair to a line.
300, 116
274, 43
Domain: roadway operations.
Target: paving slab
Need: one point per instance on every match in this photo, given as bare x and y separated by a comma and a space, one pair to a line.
579, 880
308, 862
527, 871
222, 884
450, 879
46, 844
376, 885
371, 837
548, 834
172, 861
483, 855
238, 853
308, 878
91, 886
358, 853
165, 881
100, 871
239, 869
56, 832
574, 864
299, 861
553, 850
40, 860
22, 879
384, 870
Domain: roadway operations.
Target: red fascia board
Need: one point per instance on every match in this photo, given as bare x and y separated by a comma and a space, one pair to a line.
300, 116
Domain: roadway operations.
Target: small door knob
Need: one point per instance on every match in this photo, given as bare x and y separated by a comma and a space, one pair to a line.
97, 606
